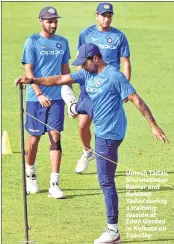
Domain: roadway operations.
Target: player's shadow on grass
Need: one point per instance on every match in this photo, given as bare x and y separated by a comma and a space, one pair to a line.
116, 175
77, 195
154, 240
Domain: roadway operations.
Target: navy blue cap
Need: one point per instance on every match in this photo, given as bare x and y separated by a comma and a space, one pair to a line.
48, 13
104, 7
86, 50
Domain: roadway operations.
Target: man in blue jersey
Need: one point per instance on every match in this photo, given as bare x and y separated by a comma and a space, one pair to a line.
45, 54
114, 48
107, 88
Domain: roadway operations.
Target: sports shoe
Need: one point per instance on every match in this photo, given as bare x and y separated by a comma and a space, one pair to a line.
82, 163
55, 191
109, 237
31, 184
69, 98
70, 113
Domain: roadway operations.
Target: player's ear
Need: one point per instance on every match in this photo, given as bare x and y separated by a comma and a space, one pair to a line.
40, 21
95, 58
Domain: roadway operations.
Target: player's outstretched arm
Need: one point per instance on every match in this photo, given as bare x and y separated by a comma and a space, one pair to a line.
57, 80
145, 111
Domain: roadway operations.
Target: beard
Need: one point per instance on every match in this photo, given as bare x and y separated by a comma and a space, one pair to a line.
50, 31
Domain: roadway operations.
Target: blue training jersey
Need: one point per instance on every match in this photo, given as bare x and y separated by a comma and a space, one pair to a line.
107, 91
46, 55
113, 44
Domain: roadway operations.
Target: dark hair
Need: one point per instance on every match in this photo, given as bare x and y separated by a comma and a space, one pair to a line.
98, 55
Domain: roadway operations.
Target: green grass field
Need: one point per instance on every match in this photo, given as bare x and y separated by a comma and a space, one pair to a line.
81, 218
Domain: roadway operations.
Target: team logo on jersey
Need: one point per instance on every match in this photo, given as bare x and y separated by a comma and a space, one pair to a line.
106, 6
109, 40
51, 10
98, 83
58, 45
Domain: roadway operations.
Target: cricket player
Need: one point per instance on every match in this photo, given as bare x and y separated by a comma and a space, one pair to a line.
45, 54
108, 88
114, 48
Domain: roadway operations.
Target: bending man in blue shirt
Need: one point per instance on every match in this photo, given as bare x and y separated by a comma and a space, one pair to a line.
107, 88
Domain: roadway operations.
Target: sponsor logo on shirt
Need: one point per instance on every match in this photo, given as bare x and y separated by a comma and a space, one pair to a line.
95, 39
54, 52
93, 89
106, 46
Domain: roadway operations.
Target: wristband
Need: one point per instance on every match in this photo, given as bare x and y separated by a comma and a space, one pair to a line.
40, 94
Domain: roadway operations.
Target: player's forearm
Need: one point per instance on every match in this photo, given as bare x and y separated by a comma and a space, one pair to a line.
36, 88
144, 109
127, 70
57, 80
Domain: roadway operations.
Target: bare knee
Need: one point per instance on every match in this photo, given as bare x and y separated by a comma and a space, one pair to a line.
33, 140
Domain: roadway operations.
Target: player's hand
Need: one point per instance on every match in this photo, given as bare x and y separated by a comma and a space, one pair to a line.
22, 80
158, 133
44, 101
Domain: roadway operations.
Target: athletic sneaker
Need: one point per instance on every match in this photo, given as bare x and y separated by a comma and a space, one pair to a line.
109, 237
82, 163
31, 184
55, 191
70, 113
69, 98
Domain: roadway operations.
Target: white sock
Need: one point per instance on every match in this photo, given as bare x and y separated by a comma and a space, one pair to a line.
30, 169
112, 227
67, 95
54, 177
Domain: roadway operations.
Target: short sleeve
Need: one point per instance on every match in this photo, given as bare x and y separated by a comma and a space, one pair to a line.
80, 76
66, 55
122, 85
81, 39
124, 47
28, 52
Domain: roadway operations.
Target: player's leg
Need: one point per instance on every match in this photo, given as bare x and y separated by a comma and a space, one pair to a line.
84, 131
55, 120
35, 130
106, 172
84, 108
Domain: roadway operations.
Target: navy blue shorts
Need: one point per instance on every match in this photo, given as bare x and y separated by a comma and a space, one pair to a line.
84, 105
53, 116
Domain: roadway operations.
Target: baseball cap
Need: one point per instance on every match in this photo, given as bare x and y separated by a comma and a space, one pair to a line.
48, 13
86, 50
104, 7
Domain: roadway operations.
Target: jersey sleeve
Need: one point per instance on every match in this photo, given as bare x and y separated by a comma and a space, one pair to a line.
80, 76
122, 86
124, 47
28, 52
66, 55
81, 39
